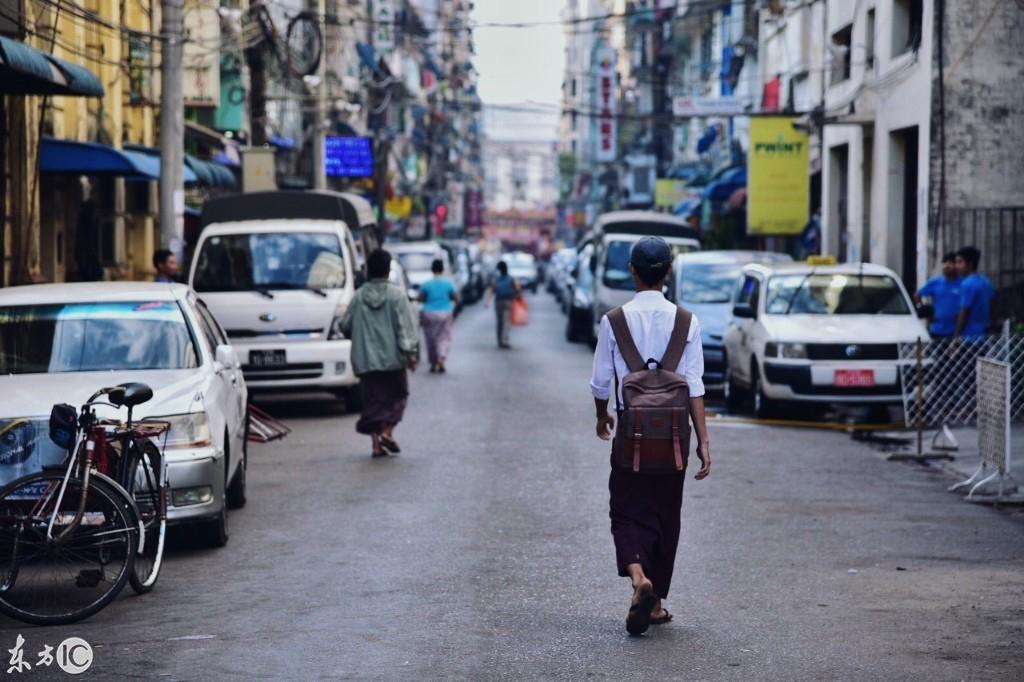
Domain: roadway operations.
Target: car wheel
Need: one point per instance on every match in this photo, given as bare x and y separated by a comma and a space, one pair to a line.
215, 531
763, 406
732, 394
353, 398
236, 490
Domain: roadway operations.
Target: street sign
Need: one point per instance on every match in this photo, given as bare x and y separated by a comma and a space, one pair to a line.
383, 25
723, 105
606, 97
994, 413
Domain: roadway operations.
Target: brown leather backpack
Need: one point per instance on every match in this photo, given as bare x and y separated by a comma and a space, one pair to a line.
653, 431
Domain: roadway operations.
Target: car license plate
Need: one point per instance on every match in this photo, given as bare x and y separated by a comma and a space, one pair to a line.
854, 378
267, 358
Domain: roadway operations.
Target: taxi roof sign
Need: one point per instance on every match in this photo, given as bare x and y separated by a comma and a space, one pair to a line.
821, 260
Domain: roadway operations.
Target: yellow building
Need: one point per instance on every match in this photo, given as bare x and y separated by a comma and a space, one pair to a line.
79, 212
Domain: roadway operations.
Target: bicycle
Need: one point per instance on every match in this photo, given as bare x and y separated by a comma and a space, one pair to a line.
73, 535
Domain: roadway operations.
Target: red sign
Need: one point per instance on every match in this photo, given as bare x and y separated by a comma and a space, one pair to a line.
606, 141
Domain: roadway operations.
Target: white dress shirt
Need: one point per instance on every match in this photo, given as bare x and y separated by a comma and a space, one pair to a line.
650, 318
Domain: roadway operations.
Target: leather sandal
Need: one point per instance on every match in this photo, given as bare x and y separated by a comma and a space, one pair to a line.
390, 444
661, 620
639, 618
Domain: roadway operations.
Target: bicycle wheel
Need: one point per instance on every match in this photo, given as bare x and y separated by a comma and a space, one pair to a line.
77, 569
146, 486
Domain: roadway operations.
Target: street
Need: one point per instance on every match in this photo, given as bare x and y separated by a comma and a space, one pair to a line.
483, 552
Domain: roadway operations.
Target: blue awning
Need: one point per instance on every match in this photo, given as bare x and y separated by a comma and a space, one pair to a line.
90, 158
25, 70
148, 159
211, 173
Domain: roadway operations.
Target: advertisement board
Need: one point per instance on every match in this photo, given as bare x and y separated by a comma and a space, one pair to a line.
348, 157
778, 177
607, 88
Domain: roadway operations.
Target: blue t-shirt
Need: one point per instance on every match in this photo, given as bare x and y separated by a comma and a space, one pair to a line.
976, 294
945, 295
437, 295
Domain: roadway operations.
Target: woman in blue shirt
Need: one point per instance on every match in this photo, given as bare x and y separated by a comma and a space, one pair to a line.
439, 297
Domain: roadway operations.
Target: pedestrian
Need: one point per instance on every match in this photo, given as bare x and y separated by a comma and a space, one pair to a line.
944, 291
645, 508
385, 343
976, 295
504, 289
439, 299
166, 265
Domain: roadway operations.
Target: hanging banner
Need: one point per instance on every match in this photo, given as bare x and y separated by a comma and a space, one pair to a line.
383, 25
606, 96
778, 177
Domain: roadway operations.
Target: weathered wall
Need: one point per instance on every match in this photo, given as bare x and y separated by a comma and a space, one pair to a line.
984, 105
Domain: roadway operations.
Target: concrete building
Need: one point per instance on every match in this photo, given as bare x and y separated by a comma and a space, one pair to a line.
921, 122
521, 175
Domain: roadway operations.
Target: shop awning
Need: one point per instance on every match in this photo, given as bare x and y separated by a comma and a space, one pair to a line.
90, 158
25, 70
210, 173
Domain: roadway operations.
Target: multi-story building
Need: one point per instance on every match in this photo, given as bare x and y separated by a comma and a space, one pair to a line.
521, 175
921, 131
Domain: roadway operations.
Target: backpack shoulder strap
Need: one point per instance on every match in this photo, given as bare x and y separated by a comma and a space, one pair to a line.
677, 342
617, 318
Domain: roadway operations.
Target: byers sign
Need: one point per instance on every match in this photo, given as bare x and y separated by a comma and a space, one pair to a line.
778, 183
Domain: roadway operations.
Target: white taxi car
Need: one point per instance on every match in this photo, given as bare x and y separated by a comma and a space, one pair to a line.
817, 333
60, 343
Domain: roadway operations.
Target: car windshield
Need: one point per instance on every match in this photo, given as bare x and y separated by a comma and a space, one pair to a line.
704, 283
616, 262
93, 337
520, 261
834, 294
417, 261
270, 260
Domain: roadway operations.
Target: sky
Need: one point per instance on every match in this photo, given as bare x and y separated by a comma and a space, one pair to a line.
518, 66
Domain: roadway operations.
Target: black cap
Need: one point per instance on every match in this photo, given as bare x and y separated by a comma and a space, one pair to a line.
651, 253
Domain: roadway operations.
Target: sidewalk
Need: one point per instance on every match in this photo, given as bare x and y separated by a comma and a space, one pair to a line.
966, 461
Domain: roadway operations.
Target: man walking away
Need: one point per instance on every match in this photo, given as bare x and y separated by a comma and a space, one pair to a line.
439, 300
166, 265
385, 342
976, 295
944, 290
503, 291
645, 507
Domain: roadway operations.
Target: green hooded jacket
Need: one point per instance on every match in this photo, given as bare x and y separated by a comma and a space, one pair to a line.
382, 327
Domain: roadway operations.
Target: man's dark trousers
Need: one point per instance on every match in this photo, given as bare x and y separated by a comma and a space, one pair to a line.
645, 513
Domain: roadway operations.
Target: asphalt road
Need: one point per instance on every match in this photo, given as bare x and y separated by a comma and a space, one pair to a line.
483, 552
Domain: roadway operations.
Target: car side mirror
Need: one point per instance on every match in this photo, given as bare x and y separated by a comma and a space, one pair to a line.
925, 311
225, 356
743, 310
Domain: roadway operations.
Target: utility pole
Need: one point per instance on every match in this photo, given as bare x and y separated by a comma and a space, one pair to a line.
172, 128
320, 117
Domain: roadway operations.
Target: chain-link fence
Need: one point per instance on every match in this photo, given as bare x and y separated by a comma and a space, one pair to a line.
939, 378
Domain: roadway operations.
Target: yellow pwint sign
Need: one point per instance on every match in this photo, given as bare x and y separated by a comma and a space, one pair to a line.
778, 181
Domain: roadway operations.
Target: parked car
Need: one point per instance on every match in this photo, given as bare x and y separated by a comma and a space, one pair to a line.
458, 252
818, 334
613, 237
417, 258
559, 268
523, 267
579, 325
705, 283
278, 270
60, 343
398, 277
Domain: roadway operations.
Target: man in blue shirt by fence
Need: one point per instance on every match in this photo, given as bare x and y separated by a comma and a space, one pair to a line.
944, 290
976, 295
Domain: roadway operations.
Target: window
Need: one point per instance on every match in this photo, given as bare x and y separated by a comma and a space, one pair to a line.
869, 40
209, 327
700, 283
95, 337
840, 50
907, 18
838, 294
269, 260
705, 55
572, 87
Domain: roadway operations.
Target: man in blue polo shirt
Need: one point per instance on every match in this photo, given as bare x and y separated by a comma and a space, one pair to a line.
944, 290
976, 295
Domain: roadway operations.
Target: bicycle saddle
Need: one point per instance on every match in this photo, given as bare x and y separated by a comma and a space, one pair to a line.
130, 394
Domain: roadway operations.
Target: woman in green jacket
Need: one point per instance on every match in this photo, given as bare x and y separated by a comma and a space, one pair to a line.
385, 343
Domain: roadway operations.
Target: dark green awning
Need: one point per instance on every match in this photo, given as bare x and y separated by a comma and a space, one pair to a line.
25, 70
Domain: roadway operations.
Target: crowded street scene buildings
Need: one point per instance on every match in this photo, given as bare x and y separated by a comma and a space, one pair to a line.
512, 339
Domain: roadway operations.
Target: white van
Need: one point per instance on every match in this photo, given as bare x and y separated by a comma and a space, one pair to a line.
613, 237
278, 269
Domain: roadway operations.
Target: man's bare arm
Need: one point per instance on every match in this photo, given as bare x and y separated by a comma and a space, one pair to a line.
700, 425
